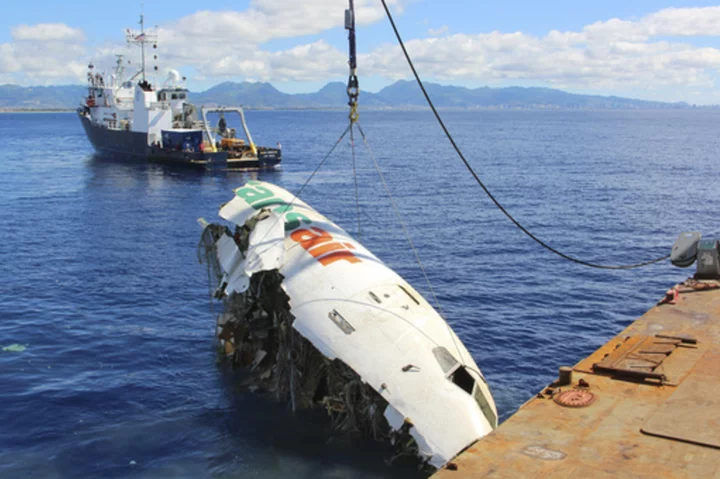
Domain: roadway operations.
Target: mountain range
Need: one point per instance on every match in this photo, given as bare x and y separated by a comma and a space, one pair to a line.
400, 95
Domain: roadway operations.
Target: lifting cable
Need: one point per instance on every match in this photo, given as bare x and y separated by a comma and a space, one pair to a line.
312, 175
357, 191
409, 240
353, 92
480, 182
322, 162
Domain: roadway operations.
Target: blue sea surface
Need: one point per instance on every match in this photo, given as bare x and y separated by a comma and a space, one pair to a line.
100, 279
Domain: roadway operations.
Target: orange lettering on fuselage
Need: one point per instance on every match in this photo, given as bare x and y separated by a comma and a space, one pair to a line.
319, 242
340, 255
311, 238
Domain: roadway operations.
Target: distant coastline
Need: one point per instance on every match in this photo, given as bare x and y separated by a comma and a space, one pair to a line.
407, 108
36, 110
401, 95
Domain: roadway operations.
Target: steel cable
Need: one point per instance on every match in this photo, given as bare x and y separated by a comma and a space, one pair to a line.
357, 191
480, 182
393, 203
312, 175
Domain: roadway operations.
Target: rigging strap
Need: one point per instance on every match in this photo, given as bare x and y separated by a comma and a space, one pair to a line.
357, 191
312, 175
480, 182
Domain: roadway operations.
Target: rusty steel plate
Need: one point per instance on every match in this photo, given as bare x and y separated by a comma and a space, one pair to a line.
574, 398
692, 413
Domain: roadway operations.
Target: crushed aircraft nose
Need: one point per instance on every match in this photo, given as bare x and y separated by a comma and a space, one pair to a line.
318, 321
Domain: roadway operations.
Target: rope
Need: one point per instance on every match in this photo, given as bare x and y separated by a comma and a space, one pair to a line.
409, 240
482, 185
322, 162
320, 165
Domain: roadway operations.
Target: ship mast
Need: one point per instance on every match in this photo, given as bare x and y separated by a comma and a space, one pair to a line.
141, 39
142, 44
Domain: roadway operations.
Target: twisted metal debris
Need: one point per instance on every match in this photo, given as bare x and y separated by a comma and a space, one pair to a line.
255, 334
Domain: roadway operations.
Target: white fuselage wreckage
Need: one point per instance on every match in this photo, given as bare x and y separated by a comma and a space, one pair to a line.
351, 307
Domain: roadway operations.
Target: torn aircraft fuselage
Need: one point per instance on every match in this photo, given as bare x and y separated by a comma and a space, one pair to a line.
321, 321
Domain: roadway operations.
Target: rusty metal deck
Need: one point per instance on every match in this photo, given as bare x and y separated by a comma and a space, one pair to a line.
654, 410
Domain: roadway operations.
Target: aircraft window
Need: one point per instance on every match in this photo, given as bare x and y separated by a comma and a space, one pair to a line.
485, 407
463, 379
410, 295
341, 322
445, 359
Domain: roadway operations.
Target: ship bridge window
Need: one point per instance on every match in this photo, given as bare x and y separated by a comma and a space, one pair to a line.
163, 97
174, 96
181, 96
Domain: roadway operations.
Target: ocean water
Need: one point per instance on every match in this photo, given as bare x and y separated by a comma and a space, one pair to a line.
100, 280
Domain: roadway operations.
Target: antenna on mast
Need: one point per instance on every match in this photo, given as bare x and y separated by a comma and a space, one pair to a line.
141, 39
142, 45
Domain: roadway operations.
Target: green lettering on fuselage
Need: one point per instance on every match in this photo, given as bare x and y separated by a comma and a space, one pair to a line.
260, 197
252, 195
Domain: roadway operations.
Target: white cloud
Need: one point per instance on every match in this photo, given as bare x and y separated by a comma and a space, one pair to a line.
683, 22
268, 20
7, 59
47, 32
316, 61
615, 54
216, 43
436, 32
43, 53
308, 62
230, 44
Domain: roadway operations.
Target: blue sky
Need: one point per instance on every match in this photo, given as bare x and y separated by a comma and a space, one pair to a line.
466, 16
647, 49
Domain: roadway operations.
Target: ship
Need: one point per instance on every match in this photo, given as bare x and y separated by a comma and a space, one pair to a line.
132, 117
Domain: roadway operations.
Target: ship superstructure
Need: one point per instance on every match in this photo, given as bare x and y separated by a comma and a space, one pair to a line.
134, 117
